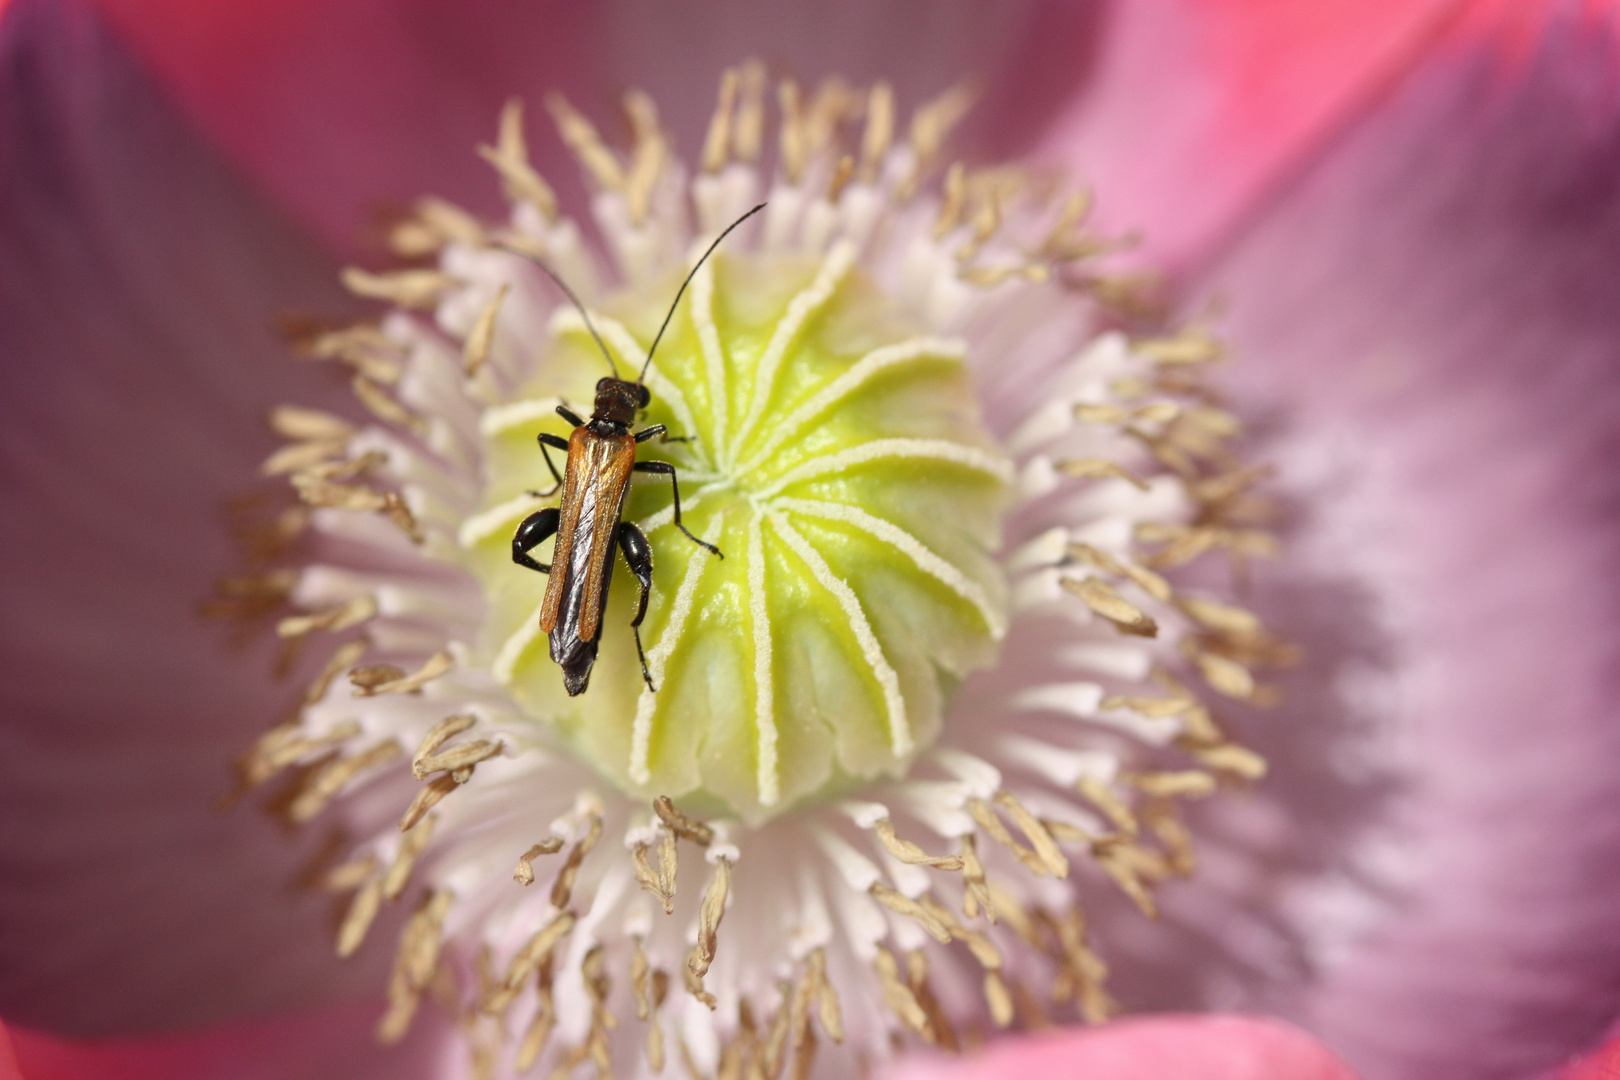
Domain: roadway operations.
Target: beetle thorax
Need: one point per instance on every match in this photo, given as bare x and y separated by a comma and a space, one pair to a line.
617, 401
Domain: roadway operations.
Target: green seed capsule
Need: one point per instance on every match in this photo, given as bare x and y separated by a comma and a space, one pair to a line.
837, 459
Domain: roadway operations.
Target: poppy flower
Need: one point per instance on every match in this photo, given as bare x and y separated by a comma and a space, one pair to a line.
932, 700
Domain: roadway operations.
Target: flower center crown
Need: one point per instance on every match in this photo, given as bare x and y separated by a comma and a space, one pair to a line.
834, 454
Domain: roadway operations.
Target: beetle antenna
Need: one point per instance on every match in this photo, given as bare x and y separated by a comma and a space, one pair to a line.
563, 285
676, 302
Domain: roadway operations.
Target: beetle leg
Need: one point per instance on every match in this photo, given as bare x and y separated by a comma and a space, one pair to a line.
570, 415
559, 443
664, 468
638, 554
536, 529
663, 434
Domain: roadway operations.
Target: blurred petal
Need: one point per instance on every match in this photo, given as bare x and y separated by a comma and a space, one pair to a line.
1434, 314
333, 108
1161, 1048
1602, 1064
334, 1043
139, 292
1199, 107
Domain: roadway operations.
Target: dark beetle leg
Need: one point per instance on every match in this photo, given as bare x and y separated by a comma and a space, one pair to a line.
560, 443
664, 468
570, 415
638, 554
536, 529
657, 429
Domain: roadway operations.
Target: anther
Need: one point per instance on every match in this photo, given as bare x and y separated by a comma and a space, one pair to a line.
581, 137
411, 847
1103, 599
510, 157
387, 679
898, 996
562, 888
537, 949
1098, 469
422, 289
749, 136
684, 827
381, 404
792, 135
709, 916
475, 350
910, 853
331, 778
717, 142
879, 131
524, 874
426, 799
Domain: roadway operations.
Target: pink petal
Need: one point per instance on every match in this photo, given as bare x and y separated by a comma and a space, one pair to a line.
1159, 1048
139, 294
335, 109
1602, 1064
331, 1044
1434, 315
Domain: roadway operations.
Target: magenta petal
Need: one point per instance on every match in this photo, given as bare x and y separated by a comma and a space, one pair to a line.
1435, 315
1198, 109
335, 1043
139, 294
1161, 1048
335, 109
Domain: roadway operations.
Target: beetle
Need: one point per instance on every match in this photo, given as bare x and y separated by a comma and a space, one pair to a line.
601, 456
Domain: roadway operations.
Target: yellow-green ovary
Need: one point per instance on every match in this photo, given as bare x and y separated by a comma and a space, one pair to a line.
837, 459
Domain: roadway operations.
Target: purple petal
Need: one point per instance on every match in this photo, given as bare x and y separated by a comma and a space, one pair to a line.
1434, 313
139, 293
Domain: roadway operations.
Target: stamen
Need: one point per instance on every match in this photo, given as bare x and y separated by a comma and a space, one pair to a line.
540, 1027
426, 799
680, 824
901, 904
293, 422
332, 777
955, 199
660, 881
1102, 598
750, 132
562, 889
792, 136
898, 996
917, 982
536, 950
647, 160
475, 351
910, 853
406, 288
524, 874
397, 682
931, 125
580, 136
510, 158
381, 404
1099, 469
411, 847
717, 143
413, 966
363, 347
359, 917
709, 916
879, 130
